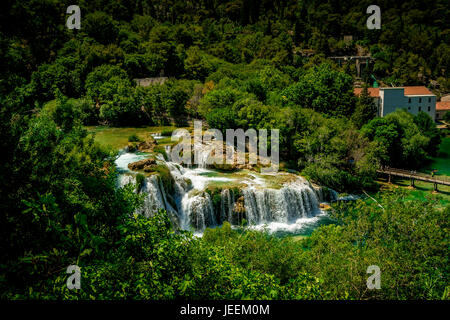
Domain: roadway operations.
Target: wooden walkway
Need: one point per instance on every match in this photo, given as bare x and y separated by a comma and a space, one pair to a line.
413, 176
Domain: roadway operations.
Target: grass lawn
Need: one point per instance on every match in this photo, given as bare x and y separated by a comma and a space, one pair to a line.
421, 191
117, 138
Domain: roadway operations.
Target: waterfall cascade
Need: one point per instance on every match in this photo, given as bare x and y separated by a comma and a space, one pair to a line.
190, 206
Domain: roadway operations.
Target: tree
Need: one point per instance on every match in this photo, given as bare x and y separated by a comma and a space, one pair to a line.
365, 109
428, 128
62, 201
97, 79
405, 146
219, 98
447, 116
196, 64
100, 26
324, 90
221, 119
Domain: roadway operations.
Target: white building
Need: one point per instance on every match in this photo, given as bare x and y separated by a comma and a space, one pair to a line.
413, 99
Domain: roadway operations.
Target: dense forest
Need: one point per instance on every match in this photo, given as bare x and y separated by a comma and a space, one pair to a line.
234, 64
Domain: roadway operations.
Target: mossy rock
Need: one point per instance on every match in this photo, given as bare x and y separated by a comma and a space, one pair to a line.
131, 147
167, 179
146, 165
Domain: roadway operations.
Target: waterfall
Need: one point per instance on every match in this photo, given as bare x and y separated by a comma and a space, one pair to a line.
285, 205
259, 201
203, 154
155, 196
226, 205
125, 179
168, 154
199, 211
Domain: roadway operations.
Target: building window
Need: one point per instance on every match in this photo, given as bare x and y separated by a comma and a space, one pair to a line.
420, 108
429, 108
420, 100
409, 108
429, 99
409, 100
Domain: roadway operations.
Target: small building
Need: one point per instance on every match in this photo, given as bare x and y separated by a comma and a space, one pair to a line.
145, 82
442, 107
413, 99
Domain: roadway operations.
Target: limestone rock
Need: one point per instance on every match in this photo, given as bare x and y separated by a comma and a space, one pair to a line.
147, 145
147, 165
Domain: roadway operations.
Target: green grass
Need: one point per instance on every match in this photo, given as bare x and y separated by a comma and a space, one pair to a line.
117, 138
422, 190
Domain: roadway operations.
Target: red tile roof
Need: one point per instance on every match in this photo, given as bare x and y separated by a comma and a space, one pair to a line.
417, 90
409, 91
443, 105
373, 92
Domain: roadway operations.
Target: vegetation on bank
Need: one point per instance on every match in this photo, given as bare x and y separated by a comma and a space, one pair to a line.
234, 65
149, 260
440, 163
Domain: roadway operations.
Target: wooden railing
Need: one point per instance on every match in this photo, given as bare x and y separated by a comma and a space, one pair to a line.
413, 175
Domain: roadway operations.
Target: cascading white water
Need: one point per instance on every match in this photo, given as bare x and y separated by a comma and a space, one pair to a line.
199, 211
287, 204
260, 202
155, 196
226, 205
167, 150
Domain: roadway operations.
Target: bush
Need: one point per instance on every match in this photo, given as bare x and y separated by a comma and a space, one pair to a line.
167, 132
447, 116
140, 179
133, 138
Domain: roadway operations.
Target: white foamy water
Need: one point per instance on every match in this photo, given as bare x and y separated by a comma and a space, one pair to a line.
296, 227
157, 136
289, 206
125, 158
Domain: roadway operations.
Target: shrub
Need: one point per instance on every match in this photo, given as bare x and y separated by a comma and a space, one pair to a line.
167, 132
447, 116
140, 179
133, 138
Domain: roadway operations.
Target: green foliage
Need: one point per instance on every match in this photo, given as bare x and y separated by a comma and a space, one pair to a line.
221, 119
63, 192
134, 138
447, 116
237, 64
166, 132
332, 153
404, 144
101, 26
324, 90
427, 127
365, 109
197, 65
140, 180
392, 233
